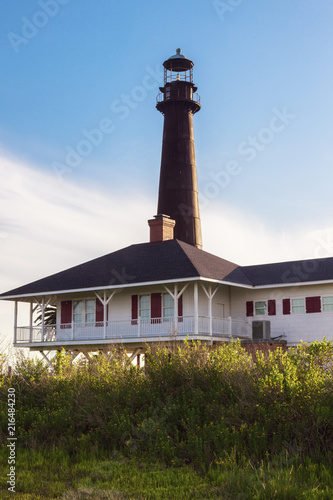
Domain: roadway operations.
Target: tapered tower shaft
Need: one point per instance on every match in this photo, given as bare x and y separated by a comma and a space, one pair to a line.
178, 188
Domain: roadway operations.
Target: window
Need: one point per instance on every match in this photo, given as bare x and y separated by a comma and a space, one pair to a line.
168, 307
260, 308
297, 305
327, 303
84, 311
90, 311
77, 311
157, 307
144, 306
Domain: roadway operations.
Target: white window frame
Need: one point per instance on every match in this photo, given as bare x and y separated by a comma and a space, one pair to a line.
263, 307
165, 308
87, 312
84, 312
78, 315
328, 304
292, 306
140, 308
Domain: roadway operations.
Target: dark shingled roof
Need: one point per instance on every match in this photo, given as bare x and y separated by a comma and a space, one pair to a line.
169, 260
146, 262
298, 271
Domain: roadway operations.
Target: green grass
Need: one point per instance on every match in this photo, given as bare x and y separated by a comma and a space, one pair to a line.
55, 474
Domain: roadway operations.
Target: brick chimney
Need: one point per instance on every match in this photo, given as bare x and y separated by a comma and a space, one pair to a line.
161, 228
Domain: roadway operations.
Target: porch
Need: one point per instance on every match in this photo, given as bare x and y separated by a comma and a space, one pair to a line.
131, 331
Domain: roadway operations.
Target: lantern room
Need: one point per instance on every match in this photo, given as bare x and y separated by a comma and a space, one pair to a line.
178, 82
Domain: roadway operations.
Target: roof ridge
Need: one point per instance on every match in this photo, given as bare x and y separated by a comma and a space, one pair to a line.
188, 258
321, 259
208, 253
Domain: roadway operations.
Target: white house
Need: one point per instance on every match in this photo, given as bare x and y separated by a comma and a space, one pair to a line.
167, 290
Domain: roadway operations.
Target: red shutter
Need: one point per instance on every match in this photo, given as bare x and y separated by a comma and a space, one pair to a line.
249, 308
134, 309
156, 307
100, 313
286, 306
66, 313
271, 308
313, 304
180, 309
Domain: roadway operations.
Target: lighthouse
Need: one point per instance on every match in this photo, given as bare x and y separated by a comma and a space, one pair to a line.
178, 186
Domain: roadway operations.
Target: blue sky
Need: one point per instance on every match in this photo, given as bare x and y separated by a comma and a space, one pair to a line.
263, 137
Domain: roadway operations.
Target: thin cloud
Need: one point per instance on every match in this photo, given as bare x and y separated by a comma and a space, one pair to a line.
244, 239
49, 225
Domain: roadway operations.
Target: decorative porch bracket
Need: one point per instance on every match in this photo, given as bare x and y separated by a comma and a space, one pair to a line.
176, 295
210, 296
105, 301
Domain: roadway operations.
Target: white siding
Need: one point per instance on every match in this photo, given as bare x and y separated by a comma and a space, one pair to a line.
231, 301
120, 305
307, 327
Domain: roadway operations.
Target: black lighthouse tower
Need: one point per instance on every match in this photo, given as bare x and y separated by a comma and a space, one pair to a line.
178, 188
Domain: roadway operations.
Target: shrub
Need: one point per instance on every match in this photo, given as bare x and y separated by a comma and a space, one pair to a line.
193, 405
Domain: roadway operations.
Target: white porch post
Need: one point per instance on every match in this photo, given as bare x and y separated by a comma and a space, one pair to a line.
105, 301
176, 295
15, 322
230, 326
175, 307
31, 316
210, 310
196, 308
105, 304
43, 314
210, 297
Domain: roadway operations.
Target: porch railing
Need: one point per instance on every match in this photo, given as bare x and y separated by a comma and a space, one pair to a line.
133, 329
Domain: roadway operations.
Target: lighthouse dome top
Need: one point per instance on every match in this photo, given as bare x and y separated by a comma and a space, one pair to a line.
178, 62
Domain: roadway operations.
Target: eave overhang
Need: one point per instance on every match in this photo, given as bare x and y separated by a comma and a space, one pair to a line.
166, 282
